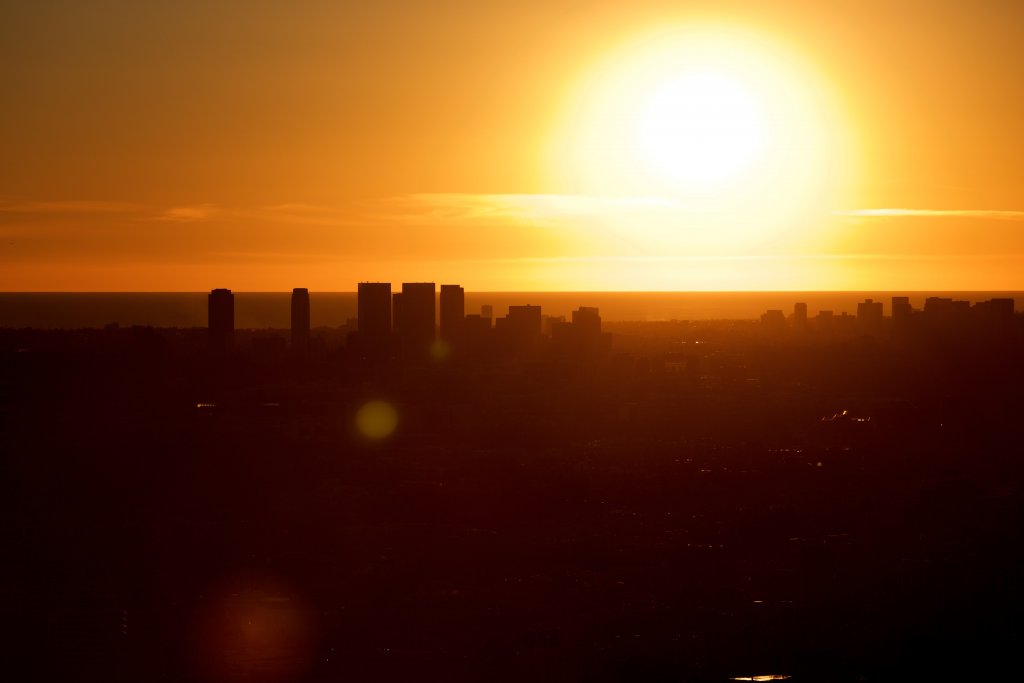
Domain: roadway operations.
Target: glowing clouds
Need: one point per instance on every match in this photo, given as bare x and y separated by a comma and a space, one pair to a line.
376, 420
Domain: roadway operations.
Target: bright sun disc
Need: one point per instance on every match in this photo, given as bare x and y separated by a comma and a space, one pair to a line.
700, 129
712, 139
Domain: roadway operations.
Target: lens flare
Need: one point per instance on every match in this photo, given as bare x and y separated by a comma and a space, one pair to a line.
376, 420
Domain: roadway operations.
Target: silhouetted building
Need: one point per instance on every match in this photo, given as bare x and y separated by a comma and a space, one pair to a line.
487, 312
374, 311
582, 337
521, 327
300, 319
453, 312
548, 322
221, 319
823, 321
587, 320
944, 306
901, 311
869, 316
476, 330
773, 320
995, 309
526, 319
800, 315
415, 313
993, 316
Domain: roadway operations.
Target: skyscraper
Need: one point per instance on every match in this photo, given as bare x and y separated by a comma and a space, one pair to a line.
587, 320
869, 316
221, 319
800, 315
901, 311
453, 311
300, 319
415, 320
374, 311
523, 322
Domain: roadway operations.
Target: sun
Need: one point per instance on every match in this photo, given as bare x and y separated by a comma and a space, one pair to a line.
741, 142
700, 128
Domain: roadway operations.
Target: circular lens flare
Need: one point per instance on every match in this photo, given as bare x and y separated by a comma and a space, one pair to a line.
376, 420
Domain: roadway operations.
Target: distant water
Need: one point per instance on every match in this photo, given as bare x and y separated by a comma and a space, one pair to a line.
271, 309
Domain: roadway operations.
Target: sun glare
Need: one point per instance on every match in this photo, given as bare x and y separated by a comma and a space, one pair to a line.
743, 138
700, 129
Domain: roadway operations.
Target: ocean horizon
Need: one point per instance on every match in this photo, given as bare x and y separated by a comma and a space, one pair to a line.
332, 309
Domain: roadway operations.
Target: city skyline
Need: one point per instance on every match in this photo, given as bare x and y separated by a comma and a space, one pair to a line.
568, 340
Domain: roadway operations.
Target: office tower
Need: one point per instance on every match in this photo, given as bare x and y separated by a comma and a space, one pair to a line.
522, 324
869, 316
582, 338
996, 309
415, 316
374, 311
587, 320
453, 311
901, 310
800, 315
487, 313
300, 319
221, 319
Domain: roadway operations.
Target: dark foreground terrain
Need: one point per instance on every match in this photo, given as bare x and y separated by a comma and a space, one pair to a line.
693, 506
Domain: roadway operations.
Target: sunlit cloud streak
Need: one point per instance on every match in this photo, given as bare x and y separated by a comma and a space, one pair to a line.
524, 207
189, 214
1008, 215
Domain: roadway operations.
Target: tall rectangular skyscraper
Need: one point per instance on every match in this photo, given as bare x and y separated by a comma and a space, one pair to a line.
221, 319
415, 322
374, 304
453, 311
300, 319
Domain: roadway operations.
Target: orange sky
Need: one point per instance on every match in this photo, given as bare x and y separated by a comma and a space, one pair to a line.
265, 145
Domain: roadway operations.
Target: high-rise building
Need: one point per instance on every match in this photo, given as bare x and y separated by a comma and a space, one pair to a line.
487, 313
453, 311
901, 311
582, 338
587, 320
523, 322
300, 319
221, 319
800, 315
869, 316
415, 317
823, 321
374, 311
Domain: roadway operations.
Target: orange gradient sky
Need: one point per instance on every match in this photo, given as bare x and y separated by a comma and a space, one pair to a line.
510, 146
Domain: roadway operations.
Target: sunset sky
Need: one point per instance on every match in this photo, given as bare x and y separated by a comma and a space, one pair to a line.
528, 145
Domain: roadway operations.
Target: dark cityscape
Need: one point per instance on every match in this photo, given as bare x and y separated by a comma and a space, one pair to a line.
425, 489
